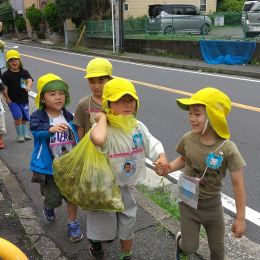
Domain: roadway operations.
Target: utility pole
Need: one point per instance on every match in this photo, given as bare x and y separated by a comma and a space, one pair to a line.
120, 28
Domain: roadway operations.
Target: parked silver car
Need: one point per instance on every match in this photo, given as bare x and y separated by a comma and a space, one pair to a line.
181, 18
252, 24
246, 7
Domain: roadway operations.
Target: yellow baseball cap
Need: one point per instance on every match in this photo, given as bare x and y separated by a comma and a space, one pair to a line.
98, 67
115, 89
51, 82
13, 54
218, 106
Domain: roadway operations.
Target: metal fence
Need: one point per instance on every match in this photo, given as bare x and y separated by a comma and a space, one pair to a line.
228, 26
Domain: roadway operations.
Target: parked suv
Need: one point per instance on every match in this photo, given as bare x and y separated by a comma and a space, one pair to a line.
252, 24
246, 7
181, 18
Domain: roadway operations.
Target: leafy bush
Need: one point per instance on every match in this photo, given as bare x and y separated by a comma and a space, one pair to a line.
56, 28
6, 15
40, 34
20, 22
135, 25
34, 16
51, 15
230, 6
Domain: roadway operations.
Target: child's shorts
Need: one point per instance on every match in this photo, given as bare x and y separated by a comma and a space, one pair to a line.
2, 124
102, 225
19, 110
52, 194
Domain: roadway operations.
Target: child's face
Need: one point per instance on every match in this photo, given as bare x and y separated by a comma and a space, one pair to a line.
14, 64
97, 84
127, 168
125, 105
197, 118
54, 99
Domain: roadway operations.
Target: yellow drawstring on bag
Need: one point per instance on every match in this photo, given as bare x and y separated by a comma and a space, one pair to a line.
84, 178
126, 122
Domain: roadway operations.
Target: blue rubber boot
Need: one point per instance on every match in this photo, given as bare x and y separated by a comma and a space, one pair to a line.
20, 137
25, 135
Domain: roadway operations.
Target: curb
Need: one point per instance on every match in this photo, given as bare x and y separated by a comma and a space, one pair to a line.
169, 64
28, 219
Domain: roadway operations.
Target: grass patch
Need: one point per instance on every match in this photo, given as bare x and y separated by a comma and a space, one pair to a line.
162, 195
171, 55
13, 214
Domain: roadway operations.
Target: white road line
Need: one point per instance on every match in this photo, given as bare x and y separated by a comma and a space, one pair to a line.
227, 202
151, 66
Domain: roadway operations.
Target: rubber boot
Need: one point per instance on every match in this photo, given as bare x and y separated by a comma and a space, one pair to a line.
20, 137
25, 135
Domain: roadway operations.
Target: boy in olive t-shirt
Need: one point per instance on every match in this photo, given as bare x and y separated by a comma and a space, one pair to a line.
206, 153
99, 72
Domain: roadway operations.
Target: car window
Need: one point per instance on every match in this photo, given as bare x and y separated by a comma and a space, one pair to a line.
248, 6
154, 10
178, 10
256, 7
190, 11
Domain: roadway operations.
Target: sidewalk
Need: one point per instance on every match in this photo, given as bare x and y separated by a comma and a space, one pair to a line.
152, 241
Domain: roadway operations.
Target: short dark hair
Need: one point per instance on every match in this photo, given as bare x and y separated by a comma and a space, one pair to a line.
127, 163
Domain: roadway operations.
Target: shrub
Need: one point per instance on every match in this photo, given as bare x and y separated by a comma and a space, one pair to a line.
34, 16
230, 6
20, 22
6, 15
51, 15
56, 28
40, 34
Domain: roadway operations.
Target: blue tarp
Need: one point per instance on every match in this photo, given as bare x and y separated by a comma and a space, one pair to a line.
228, 52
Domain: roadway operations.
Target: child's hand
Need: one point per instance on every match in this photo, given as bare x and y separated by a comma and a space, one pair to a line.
162, 165
100, 116
28, 89
60, 128
7, 100
238, 228
160, 170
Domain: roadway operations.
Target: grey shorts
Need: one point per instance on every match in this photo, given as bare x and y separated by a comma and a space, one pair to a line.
102, 225
52, 194
2, 124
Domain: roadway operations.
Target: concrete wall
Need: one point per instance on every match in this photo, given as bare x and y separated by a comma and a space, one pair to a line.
185, 47
138, 8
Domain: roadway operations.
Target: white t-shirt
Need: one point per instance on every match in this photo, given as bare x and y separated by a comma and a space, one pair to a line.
61, 143
118, 142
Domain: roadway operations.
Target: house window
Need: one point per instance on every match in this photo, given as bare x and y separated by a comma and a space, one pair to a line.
203, 5
126, 7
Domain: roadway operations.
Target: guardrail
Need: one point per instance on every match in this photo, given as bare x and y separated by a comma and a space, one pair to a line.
226, 26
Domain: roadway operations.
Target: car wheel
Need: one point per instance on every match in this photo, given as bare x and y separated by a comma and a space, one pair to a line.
168, 30
206, 29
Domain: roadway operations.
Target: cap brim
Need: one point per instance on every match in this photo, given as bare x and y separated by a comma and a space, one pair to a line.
184, 103
95, 75
13, 57
120, 94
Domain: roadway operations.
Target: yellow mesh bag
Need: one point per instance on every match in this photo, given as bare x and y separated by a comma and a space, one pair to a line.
84, 178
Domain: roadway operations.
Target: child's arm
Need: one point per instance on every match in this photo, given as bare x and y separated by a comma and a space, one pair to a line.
6, 98
239, 226
29, 84
80, 132
175, 165
98, 135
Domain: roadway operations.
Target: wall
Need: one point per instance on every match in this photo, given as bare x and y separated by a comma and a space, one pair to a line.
138, 8
185, 47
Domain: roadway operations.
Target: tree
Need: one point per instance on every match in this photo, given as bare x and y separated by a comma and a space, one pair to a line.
51, 16
6, 14
34, 16
20, 22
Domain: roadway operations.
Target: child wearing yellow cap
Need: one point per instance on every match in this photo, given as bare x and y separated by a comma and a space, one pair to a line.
54, 135
206, 153
18, 82
99, 72
125, 141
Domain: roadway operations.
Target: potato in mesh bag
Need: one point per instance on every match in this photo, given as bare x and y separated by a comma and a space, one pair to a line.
85, 179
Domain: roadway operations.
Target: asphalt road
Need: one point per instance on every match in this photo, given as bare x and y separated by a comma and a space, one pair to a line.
158, 111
